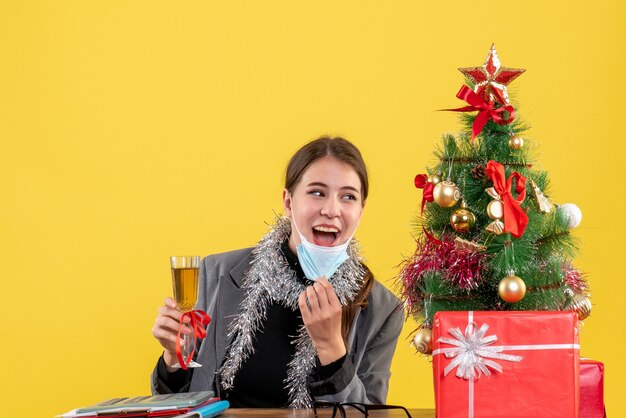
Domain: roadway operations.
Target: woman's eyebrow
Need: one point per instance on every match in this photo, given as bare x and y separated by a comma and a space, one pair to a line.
317, 183
354, 189
320, 184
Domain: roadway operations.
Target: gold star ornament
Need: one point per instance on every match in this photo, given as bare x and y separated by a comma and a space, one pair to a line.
490, 80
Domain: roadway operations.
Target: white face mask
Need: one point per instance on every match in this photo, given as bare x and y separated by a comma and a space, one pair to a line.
316, 260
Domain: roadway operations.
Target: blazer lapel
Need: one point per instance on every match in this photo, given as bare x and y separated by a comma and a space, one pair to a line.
230, 298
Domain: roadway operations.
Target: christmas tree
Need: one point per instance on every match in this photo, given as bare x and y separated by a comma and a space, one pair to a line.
489, 238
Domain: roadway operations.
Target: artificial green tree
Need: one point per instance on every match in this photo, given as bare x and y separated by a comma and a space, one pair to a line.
489, 238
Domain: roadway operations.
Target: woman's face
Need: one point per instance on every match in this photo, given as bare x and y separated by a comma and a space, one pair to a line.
326, 204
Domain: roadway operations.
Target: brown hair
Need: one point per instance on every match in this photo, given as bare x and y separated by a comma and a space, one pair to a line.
347, 153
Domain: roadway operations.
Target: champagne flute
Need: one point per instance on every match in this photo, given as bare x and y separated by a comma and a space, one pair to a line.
185, 284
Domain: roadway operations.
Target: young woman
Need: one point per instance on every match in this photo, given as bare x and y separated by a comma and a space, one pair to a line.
299, 317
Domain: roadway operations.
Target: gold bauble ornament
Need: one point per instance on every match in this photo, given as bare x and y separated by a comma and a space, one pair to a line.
446, 194
495, 209
423, 341
581, 305
512, 289
516, 142
462, 219
434, 179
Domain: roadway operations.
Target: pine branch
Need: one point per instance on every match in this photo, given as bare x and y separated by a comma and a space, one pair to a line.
482, 161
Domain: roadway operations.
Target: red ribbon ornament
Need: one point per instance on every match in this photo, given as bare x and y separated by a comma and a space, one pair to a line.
515, 218
197, 321
421, 182
486, 110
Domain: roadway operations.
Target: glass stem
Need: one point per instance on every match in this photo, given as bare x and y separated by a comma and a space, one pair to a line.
187, 342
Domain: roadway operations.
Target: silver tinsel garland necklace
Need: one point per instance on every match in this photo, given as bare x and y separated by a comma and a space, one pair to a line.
269, 280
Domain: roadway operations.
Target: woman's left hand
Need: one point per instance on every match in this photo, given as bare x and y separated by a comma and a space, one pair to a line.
322, 319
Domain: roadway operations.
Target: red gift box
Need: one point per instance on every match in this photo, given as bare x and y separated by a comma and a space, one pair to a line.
591, 389
506, 364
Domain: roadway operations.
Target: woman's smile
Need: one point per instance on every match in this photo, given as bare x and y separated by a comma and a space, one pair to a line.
325, 235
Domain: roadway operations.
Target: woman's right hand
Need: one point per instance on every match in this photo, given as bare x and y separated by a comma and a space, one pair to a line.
165, 330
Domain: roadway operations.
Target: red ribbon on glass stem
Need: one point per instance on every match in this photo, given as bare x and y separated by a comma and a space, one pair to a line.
197, 321
486, 110
515, 218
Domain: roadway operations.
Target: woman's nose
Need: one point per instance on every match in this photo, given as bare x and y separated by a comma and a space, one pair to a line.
331, 208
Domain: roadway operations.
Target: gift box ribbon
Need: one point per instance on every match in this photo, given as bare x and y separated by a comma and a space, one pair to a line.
474, 354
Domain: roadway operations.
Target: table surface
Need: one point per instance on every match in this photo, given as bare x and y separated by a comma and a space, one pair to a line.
325, 413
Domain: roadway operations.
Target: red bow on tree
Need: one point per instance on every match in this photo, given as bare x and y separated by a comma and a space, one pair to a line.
515, 218
421, 182
486, 110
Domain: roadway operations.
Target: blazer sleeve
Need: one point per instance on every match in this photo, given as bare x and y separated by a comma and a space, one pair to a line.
365, 372
170, 382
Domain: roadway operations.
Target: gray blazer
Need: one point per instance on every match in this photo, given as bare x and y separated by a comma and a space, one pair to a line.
364, 376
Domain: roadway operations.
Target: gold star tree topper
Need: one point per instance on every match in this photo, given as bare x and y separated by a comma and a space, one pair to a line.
490, 80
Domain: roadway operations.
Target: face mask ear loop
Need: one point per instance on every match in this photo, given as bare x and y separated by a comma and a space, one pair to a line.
293, 218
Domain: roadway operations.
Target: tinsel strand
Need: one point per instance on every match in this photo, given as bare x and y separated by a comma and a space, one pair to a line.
462, 160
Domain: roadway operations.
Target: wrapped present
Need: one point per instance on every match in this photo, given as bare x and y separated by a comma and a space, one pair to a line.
506, 364
591, 389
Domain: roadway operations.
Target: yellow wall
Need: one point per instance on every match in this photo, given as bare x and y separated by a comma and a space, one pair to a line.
133, 130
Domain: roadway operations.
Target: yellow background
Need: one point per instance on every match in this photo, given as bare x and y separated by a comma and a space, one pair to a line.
134, 130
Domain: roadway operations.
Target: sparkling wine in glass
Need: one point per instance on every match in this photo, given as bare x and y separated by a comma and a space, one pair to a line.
185, 285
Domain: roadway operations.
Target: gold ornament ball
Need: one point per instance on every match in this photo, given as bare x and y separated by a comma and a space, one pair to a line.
446, 194
516, 142
423, 341
495, 209
462, 220
434, 179
512, 289
581, 305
